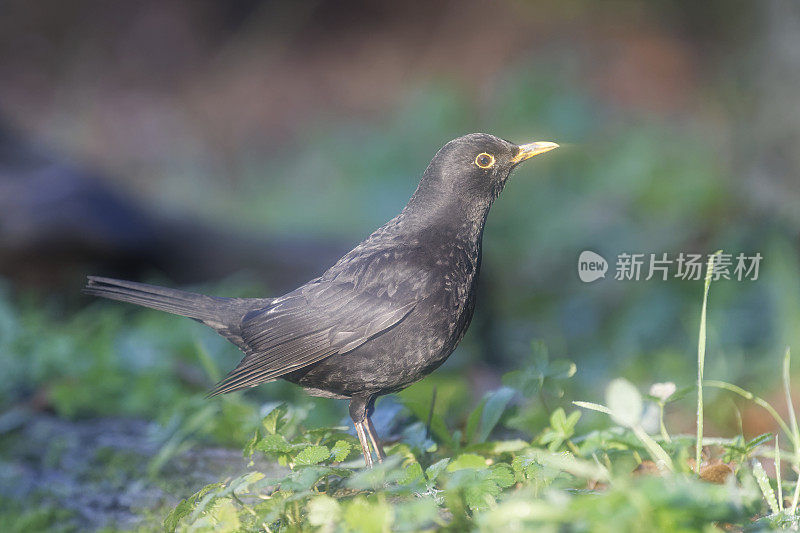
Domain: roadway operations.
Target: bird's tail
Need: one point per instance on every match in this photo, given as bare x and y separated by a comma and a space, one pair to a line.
198, 306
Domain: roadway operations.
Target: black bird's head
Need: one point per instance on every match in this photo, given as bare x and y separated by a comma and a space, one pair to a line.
470, 172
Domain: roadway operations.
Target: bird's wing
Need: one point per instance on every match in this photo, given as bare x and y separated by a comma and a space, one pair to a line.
318, 320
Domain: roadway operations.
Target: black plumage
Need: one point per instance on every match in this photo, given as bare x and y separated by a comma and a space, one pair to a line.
386, 314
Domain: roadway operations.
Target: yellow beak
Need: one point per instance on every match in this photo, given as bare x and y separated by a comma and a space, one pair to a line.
526, 151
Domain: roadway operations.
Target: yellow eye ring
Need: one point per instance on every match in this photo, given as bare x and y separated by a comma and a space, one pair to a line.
484, 160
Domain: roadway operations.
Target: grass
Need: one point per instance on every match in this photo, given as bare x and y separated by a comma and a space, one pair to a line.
701, 358
619, 478
522, 458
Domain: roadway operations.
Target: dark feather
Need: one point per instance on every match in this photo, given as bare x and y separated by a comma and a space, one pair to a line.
316, 321
222, 314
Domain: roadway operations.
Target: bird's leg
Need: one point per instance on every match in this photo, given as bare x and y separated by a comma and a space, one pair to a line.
362, 438
372, 434
373, 438
358, 412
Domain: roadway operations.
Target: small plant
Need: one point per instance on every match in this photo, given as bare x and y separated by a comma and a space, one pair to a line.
634, 475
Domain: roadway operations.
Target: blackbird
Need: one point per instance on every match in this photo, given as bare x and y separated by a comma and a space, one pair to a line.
386, 314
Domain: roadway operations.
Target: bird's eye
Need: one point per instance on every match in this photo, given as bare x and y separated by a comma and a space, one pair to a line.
484, 160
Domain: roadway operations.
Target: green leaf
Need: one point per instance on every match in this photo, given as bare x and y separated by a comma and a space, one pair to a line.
435, 470
341, 450
312, 455
564, 462
275, 418
525, 467
378, 476
560, 369
624, 402
185, 507
225, 516
412, 473
481, 496
477, 488
502, 475
508, 446
496, 402
528, 382
418, 514
552, 439
323, 511
562, 427
467, 460
540, 355
303, 479
273, 444
563, 424
757, 441
273, 509
368, 516
177, 514
558, 420
250, 447
473, 421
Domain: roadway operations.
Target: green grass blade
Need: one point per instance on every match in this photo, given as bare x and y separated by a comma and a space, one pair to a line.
795, 435
701, 358
661, 457
752, 397
593, 407
766, 488
778, 473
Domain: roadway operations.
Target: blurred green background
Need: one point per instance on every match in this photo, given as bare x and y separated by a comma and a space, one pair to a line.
237, 147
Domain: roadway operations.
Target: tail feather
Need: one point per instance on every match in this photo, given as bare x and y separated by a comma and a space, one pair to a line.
184, 303
224, 315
